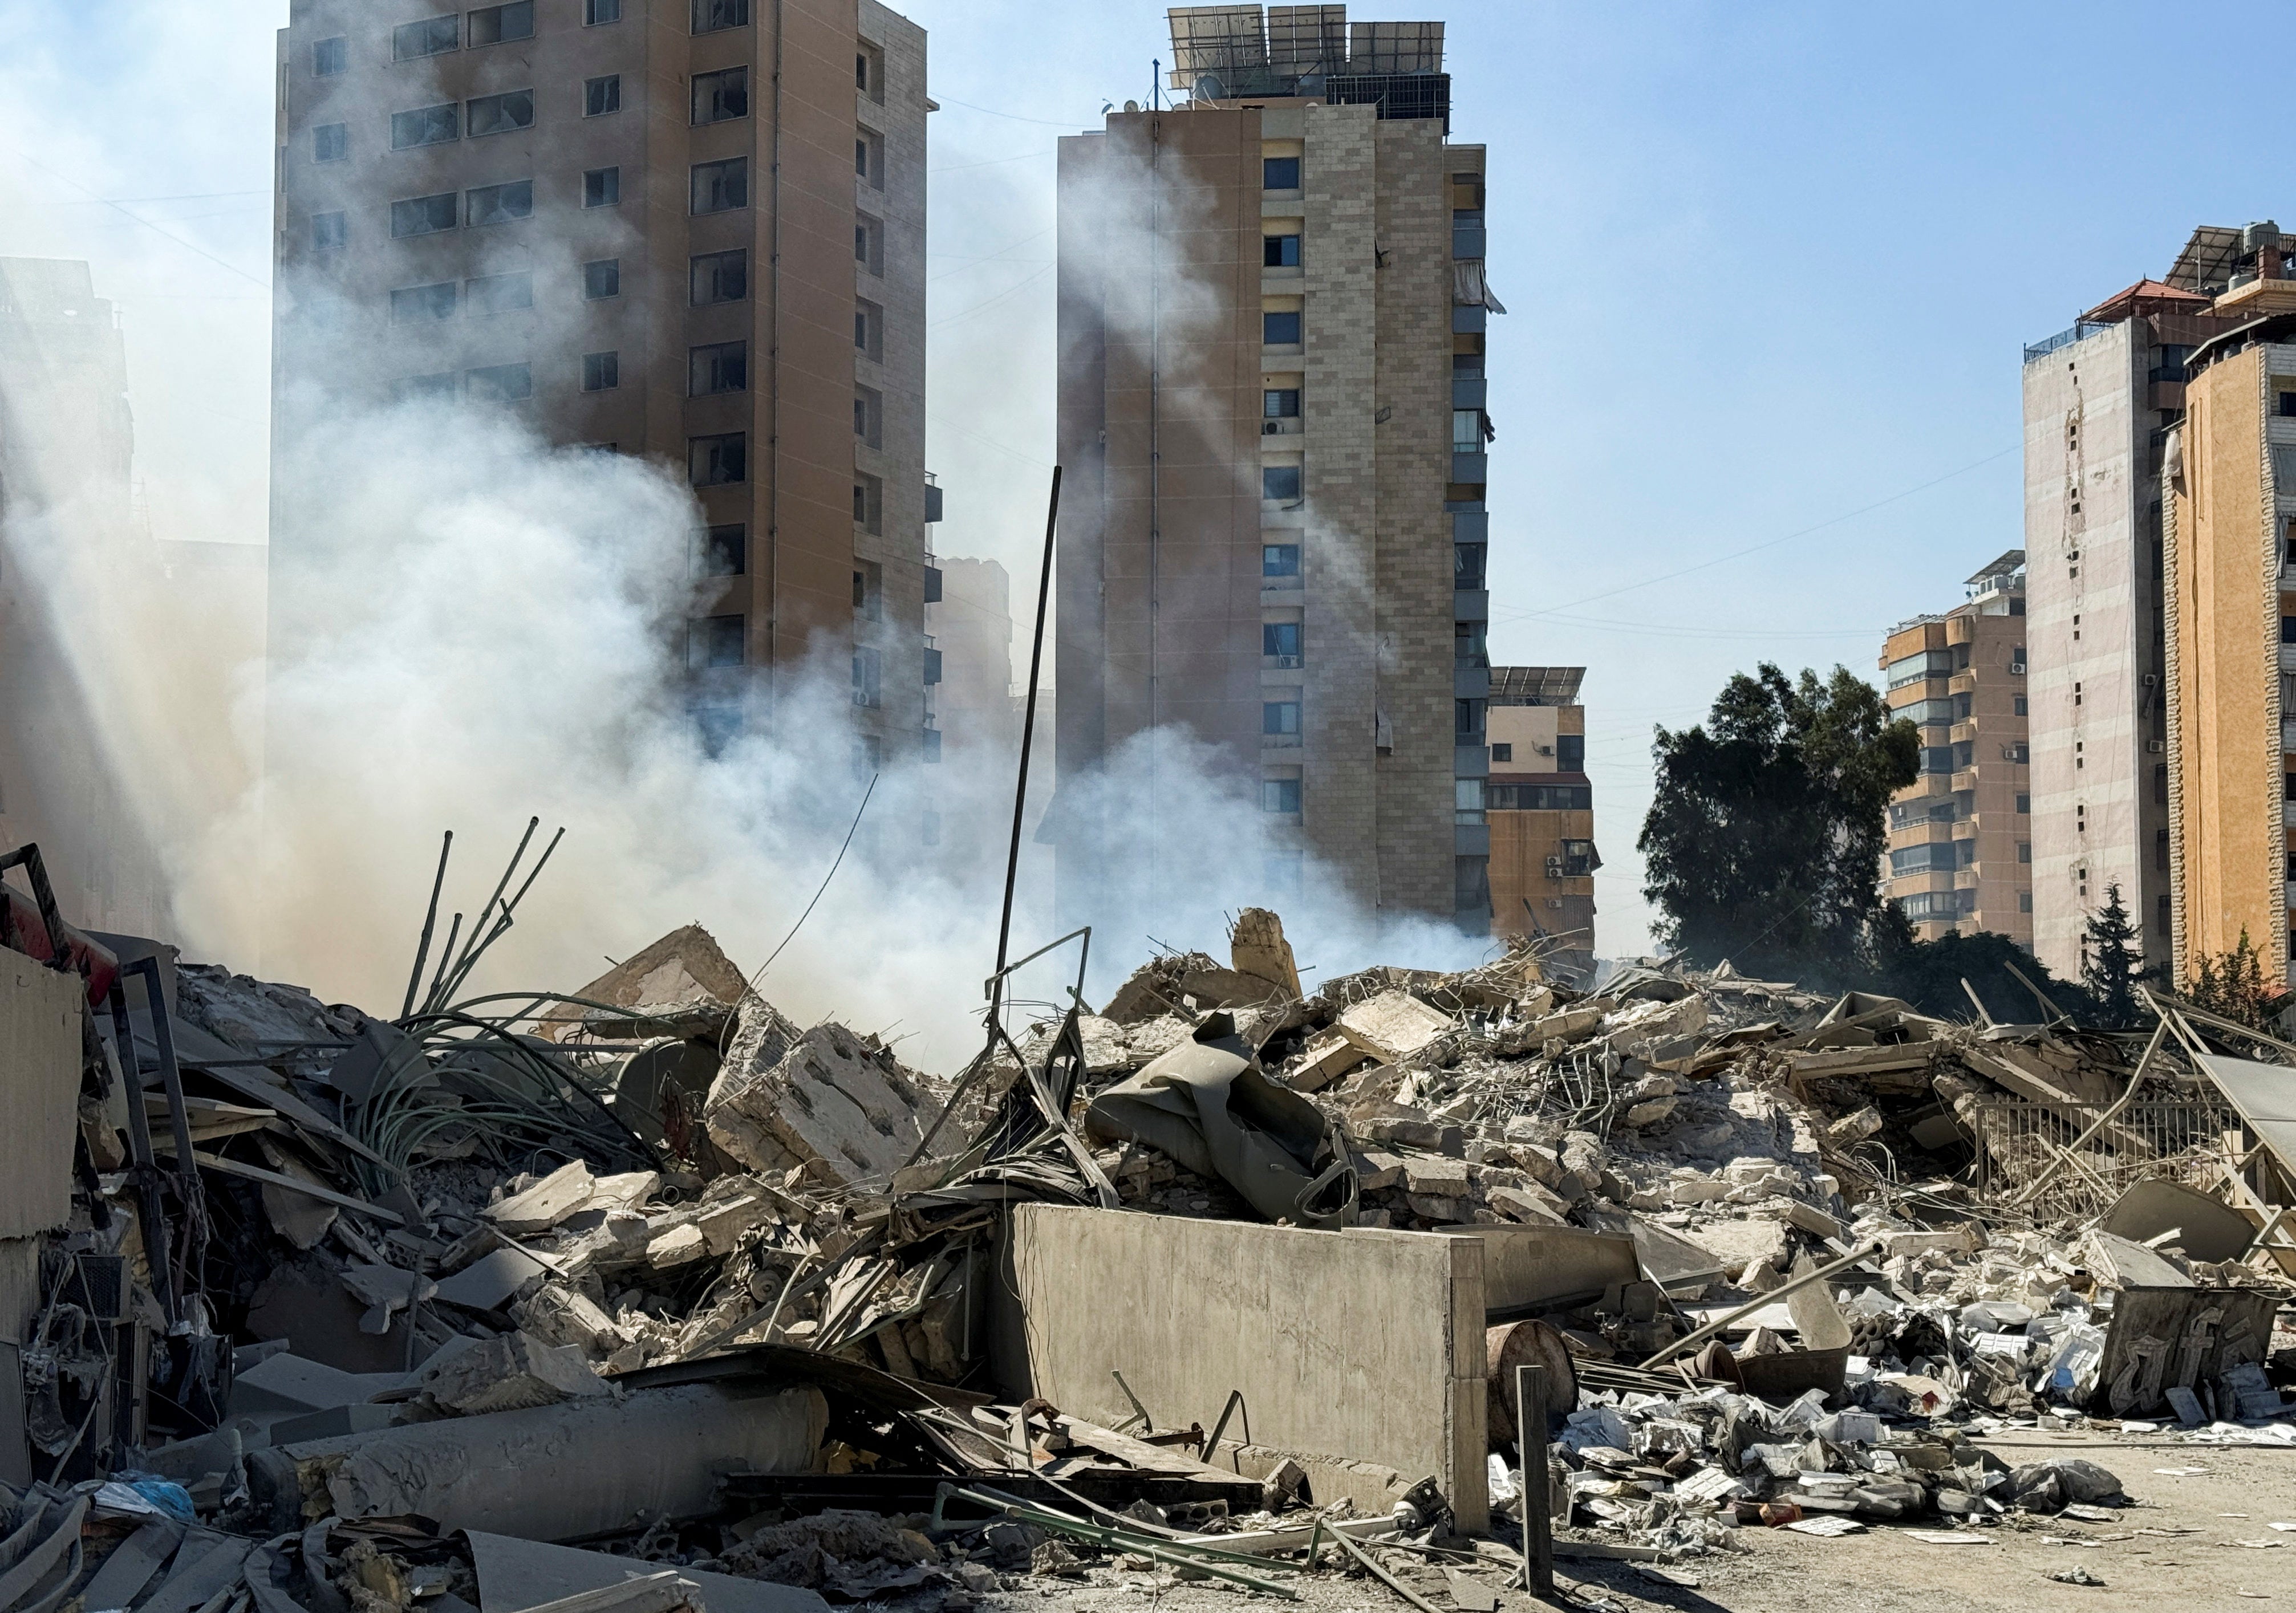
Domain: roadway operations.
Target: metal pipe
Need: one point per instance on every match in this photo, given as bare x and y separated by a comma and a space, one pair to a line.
430, 922
1721, 1323
1027, 737
1530, 1446
2065, 1157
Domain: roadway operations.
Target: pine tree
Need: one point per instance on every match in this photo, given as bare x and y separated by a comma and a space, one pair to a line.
2111, 966
2233, 985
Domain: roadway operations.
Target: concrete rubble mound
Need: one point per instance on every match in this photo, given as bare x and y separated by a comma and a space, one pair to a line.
644, 1296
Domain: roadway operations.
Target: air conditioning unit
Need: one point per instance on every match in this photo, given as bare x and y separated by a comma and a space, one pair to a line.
2016, 669
1268, 427
1555, 868
2156, 747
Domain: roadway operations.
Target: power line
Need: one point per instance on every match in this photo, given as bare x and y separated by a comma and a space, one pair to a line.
147, 223
1836, 520
1047, 122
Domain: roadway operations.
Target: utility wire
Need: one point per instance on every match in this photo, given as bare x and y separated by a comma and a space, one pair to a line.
817, 895
147, 223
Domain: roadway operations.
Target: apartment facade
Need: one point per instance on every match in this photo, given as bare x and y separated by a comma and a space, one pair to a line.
1540, 805
2100, 399
1272, 318
1960, 855
691, 230
2231, 520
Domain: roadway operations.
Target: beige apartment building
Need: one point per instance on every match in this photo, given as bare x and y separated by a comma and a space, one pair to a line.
1540, 805
2100, 399
1960, 857
2231, 598
692, 230
1272, 319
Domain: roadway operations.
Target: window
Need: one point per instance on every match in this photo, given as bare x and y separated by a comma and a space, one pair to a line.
869, 158
2024, 849
596, 12
1468, 648
601, 95
1913, 668
868, 673
869, 416
869, 329
1467, 721
330, 57
1279, 173
715, 462
330, 143
502, 203
1467, 802
1280, 795
1280, 404
869, 595
869, 72
2017, 657
1501, 753
1279, 483
493, 24
868, 503
2024, 753
2025, 903
423, 215
601, 372
720, 277
413, 304
722, 366
1536, 797
2017, 705
869, 243
720, 641
501, 114
2288, 402
2024, 803
2288, 629
601, 187
424, 126
499, 383
725, 550
1280, 329
1280, 640
1466, 431
602, 279
720, 96
1467, 564
1279, 560
2160, 784
1279, 717
1279, 251
1571, 753
1579, 859
720, 188
330, 232
712, 15
426, 37
499, 293
416, 388
1937, 758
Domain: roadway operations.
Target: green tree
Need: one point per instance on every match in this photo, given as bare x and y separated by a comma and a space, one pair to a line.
2110, 963
2233, 983
1765, 837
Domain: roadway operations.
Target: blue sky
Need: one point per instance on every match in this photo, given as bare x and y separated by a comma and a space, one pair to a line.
1769, 268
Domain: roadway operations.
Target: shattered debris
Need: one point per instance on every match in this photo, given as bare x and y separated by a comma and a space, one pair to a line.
418, 1301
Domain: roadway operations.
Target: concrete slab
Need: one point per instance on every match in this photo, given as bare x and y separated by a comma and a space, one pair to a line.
40, 1014
1363, 1346
517, 1575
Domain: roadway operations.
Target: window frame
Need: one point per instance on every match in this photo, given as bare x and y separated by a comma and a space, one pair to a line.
453, 200
604, 184
510, 279
597, 271
507, 191
342, 132
722, 450
501, 101
330, 63
713, 354
601, 14
710, 82
518, 371
453, 123
601, 96
1266, 164
694, 270
601, 372
409, 305
737, 10
502, 14
719, 169
404, 32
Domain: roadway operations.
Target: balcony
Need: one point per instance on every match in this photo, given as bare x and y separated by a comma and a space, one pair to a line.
1471, 682
1471, 468
1289, 425
932, 498
1469, 320
1470, 840
1471, 762
1470, 604
1965, 779
1470, 392
2081, 330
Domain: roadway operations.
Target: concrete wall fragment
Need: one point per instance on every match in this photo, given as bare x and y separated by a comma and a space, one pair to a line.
1365, 1345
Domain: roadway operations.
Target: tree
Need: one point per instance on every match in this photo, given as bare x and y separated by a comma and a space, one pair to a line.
2111, 966
2232, 984
1766, 831
1929, 974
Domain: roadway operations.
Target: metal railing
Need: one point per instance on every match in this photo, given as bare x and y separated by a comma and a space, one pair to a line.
2081, 330
2181, 1139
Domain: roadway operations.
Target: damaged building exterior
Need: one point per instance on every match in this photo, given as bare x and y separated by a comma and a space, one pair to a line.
692, 230
1960, 855
2099, 398
1540, 805
1272, 316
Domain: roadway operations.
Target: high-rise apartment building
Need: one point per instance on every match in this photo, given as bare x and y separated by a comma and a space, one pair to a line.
692, 230
1540, 805
1272, 316
67, 453
2231, 599
1960, 857
2099, 401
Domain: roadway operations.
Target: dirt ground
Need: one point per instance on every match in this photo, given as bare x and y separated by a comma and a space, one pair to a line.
2191, 1564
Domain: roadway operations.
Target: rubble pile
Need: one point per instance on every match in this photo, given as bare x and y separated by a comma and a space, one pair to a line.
647, 1293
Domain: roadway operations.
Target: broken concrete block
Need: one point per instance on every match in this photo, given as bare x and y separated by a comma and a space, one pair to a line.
1809, 1218
1852, 1129
683, 967
510, 1373
627, 1190
1374, 1171
1392, 1025
840, 1106
1257, 947
560, 1315
1543, 1164
1329, 1055
545, 1204
1436, 1177
490, 1283
1529, 1203
722, 1223
1429, 1208
679, 1246
1956, 1241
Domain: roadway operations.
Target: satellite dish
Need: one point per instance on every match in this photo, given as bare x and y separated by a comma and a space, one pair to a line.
1208, 87
1132, 106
